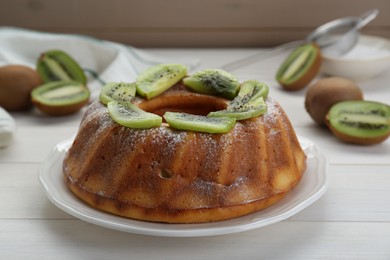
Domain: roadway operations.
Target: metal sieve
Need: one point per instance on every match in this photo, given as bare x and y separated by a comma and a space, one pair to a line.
335, 38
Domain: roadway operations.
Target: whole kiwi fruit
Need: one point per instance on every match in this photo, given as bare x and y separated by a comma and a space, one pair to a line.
326, 92
16, 84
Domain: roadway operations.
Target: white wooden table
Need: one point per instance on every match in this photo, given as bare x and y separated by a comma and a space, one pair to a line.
351, 221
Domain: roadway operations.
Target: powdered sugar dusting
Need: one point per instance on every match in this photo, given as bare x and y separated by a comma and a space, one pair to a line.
226, 164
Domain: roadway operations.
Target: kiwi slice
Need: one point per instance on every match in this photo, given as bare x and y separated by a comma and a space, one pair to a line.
56, 65
248, 103
360, 122
213, 125
119, 91
248, 110
250, 90
157, 79
60, 97
300, 67
213, 82
129, 115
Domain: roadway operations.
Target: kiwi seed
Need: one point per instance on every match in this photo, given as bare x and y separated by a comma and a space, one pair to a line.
360, 122
300, 67
59, 98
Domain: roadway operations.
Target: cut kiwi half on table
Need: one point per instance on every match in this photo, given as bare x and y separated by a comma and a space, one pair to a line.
57, 65
197, 123
360, 122
300, 67
119, 91
213, 82
129, 115
60, 97
157, 79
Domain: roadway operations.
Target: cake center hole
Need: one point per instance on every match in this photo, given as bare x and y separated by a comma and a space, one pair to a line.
165, 174
196, 104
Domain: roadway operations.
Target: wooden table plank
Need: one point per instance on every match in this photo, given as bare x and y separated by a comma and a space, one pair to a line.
74, 239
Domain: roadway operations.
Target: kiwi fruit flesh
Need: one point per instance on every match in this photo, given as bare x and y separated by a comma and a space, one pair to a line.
360, 122
255, 88
120, 91
60, 97
157, 79
241, 114
129, 115
213, 82
300, 67
57, 65
326, 92
248, 103
198, 123
250, 90
16, 84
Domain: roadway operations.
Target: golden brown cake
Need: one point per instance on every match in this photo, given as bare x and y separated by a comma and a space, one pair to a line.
167, 175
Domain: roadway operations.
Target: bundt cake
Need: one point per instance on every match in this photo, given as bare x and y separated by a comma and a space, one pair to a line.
163, 174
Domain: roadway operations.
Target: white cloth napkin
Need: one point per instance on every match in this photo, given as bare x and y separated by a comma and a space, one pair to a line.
103, 61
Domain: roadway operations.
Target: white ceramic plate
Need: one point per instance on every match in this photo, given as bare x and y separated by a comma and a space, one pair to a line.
312, 186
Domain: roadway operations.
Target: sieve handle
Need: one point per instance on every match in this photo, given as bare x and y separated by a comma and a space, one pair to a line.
366, 18
266, 54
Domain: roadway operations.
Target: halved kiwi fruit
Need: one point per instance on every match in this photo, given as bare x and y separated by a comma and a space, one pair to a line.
213, 82
60, 97
57, 65
157, 79
360, 122
120, 91
129, 115
300, 67
213, 125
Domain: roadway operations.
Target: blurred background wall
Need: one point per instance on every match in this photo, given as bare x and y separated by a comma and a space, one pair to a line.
183, 23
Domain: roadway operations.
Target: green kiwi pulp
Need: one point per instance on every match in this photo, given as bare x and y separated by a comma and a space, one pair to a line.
159, 78
60, 93
119, 91
60, 97
248, 103
250, 90
300, 67
213, 125
248, 100
249, 110
360, 122
129, 115
213, 82
56, 65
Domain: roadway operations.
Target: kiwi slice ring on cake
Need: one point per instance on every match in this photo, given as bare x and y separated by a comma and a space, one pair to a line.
247, 99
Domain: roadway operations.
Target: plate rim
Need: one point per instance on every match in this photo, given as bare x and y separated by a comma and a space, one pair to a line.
55, 157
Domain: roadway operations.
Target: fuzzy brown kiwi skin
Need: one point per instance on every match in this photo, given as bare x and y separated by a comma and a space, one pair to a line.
16, 84
60, 110
310, 74
353, 139
326, 92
